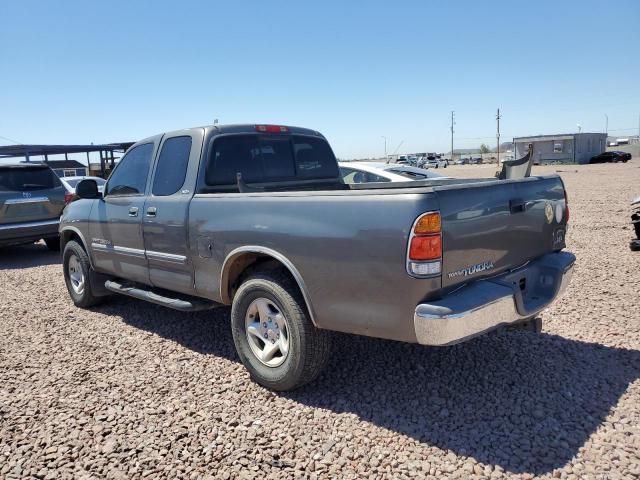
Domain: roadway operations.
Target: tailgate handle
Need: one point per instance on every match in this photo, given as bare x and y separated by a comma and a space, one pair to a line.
517, 205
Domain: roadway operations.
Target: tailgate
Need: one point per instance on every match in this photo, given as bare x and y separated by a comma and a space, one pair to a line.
29, 194
500, 225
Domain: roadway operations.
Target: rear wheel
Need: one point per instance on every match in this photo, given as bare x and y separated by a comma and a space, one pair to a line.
77, 271
53, 243
273, 334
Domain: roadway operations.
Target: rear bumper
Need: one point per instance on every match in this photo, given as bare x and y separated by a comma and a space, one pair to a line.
29, 231
487, 304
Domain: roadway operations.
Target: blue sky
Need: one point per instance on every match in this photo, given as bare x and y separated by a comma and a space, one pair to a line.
78, 71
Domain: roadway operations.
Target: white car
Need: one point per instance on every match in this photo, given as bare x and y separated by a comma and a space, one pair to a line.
71, 182
367, 172
433, 162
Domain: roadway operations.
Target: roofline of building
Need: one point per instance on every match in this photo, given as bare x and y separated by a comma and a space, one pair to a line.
557, 135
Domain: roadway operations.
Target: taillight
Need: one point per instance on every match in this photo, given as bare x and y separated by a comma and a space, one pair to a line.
271, 129
68, 197
426, 247
424, 255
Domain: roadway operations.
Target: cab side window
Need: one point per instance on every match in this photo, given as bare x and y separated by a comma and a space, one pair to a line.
130, 176
172, 166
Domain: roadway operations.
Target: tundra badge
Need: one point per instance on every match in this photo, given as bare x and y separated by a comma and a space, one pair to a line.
472, 269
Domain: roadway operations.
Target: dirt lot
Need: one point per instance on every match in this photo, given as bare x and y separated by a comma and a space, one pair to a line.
131, 390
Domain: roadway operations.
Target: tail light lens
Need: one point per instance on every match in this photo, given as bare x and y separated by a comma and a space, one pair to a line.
424, 255
271, 129
427, 247
68, 197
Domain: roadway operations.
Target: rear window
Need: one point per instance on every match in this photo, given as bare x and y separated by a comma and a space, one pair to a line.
27, 179
269, 158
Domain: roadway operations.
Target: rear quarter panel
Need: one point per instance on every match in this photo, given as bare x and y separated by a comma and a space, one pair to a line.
349, 248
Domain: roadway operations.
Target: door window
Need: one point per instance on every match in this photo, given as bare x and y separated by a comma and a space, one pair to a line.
130, 176
172, 166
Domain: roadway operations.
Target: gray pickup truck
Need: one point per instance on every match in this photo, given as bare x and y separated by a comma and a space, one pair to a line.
258, 217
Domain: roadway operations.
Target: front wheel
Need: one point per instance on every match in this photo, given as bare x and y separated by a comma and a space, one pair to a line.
77, 270
273, 334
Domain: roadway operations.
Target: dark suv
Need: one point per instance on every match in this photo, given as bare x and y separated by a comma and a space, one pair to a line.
612, 156
31, 201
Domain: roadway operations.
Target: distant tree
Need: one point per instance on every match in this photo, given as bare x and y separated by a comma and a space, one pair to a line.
484, 149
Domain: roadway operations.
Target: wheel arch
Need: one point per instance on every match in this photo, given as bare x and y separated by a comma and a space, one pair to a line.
243, 259
72, 233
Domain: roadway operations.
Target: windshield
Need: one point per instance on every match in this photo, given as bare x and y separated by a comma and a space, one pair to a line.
25, 179
73, 182
410, 175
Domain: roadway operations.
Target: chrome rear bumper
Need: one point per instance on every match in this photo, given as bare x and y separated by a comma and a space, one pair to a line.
487, 304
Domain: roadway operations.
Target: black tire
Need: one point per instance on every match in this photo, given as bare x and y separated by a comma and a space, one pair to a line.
83, 298
309, 347
53, 243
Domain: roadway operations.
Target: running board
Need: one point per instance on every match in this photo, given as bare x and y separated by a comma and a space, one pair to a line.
184, 303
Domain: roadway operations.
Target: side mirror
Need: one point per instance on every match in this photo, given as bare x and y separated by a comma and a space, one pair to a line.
88, 189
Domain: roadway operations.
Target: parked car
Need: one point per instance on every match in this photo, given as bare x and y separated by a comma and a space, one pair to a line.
433, 162
259, 218
612, 156
71, 182
635, 220
369, 172
31, 201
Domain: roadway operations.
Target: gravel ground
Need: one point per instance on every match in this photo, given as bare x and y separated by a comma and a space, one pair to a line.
131, 390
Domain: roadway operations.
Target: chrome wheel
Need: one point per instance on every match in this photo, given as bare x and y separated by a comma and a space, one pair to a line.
76, 275
267, 332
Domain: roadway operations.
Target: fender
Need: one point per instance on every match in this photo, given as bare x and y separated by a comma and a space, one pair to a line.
75, 230
228, 261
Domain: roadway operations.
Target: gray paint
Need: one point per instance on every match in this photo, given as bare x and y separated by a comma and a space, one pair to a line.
27, 216
345, 248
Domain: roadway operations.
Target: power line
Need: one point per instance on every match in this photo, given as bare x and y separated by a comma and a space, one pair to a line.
11, 140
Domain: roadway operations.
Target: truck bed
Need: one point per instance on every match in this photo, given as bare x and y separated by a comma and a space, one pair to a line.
350, 246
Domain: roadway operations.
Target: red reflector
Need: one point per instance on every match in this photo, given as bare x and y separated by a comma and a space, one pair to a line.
271, 129
68, 197
426, 247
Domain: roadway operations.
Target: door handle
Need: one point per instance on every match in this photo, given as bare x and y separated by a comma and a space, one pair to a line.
133, 211
151, 211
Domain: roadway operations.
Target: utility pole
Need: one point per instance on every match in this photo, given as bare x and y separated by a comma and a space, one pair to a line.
385, 148
453, 122
606, 125
498, 116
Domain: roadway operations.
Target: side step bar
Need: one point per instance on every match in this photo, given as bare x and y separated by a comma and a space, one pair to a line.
184, 303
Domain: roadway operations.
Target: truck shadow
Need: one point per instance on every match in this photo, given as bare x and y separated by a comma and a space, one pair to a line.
522, 401
28, 256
